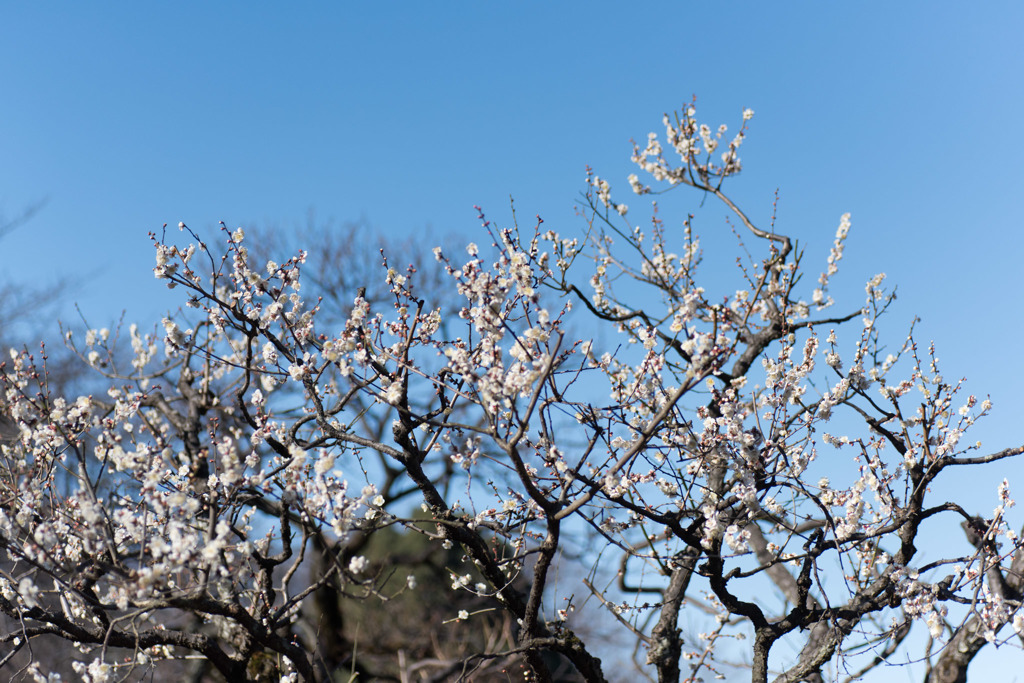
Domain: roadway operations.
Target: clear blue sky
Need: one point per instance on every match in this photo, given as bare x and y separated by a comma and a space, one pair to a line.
125, 116
128, 115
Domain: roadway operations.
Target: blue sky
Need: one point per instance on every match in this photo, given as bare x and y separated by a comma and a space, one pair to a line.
407, 114
124, 116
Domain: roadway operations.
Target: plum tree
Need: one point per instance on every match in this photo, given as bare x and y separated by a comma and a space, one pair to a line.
574, 428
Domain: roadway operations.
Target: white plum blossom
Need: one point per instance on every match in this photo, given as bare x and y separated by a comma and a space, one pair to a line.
565, 428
